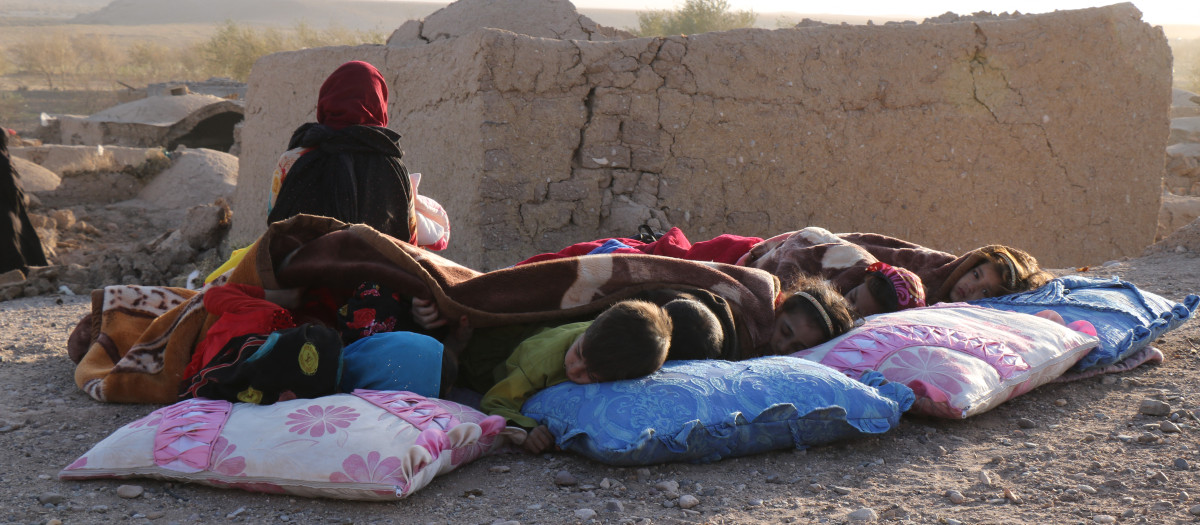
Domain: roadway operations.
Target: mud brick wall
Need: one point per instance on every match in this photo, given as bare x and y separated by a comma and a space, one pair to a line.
1044, 132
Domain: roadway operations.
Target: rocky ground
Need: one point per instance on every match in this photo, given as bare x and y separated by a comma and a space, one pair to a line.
1065, 453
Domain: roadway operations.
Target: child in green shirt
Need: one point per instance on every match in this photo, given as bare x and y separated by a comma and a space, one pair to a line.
630, 339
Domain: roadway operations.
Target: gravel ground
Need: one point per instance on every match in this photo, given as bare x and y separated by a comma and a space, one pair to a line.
1064, 453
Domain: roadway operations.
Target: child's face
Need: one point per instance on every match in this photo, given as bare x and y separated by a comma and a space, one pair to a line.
794, 331
577, 371
862, 301
982, 281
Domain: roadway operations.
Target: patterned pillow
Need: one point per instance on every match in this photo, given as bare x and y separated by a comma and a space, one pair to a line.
703, 411
369, 445
1126, 319
960, 360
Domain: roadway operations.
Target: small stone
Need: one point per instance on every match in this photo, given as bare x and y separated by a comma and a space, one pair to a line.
1087, 489
52, 498
941, 451
863, 514
130, 491
1154, 407
669, 503
99, 508
500, 469
155, 514
1195, 510
235, 513
1183, 496
1159, 477
816, 487
1104, 518
1168, 427
606, 483
54, 521
985, 478
688, 501
842, 490
955, 497
1181, 464
565, 479
1129, 513
1147, 437
643, 474
585, 514
1060, 402
1025, 422
756, 503
668, 486
614, 506
1013, 497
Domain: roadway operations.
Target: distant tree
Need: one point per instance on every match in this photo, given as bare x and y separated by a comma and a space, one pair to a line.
233, 49
696, 16
95, 57
48, 54
147, 61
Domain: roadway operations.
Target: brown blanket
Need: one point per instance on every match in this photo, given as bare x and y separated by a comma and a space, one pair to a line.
843, 259
140, 339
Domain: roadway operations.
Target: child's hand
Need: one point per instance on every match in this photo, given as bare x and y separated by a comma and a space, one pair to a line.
539, 440
426, 313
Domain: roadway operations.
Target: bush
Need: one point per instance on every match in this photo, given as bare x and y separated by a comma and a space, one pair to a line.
696, 16
50, 56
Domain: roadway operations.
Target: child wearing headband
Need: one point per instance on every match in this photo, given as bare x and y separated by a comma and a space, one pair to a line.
992, 271
886, 288
811, 313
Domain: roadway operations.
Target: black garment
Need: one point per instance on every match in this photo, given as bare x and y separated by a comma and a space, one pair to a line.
20, 244
259, 368
353, 174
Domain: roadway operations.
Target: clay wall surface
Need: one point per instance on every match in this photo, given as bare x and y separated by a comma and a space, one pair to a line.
1044, 132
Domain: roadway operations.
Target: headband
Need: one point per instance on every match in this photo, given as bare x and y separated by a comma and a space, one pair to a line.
817, 305
910, 293
1012, 268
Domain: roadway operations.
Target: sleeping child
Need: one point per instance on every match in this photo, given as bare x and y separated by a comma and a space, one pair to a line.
630, 339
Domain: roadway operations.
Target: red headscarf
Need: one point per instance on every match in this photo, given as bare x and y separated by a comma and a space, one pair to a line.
354, 93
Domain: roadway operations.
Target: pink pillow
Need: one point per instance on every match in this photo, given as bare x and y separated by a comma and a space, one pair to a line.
370, 445
960, 360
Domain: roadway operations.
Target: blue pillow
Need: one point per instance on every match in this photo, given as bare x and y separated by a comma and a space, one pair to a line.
1126, 319
703, 411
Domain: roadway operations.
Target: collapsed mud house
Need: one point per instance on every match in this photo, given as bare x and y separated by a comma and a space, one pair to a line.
954, 135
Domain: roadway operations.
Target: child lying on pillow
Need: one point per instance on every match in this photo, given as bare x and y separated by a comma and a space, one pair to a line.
628, 340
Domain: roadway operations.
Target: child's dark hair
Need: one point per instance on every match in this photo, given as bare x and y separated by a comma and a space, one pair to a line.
696, 332
883, 290
630, 339
1018, 270
834, 316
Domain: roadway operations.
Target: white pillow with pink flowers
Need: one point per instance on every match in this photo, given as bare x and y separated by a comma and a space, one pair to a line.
960, 360
369, 445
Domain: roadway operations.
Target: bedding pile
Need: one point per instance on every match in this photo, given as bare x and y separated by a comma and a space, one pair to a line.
951, 360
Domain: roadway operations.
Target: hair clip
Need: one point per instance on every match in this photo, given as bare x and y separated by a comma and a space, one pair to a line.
817, 305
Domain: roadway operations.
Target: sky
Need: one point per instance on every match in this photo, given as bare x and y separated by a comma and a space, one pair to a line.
1156, 12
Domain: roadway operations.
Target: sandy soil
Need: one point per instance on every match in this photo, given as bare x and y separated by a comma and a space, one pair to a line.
1068, 453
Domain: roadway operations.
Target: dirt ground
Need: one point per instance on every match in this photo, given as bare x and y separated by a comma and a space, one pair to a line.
1066, 453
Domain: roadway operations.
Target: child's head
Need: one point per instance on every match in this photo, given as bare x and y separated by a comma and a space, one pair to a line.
812, 313
630, 339
996, 270
696, 333
886, 288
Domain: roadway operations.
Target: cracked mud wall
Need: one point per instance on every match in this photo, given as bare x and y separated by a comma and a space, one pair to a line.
1044, 132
